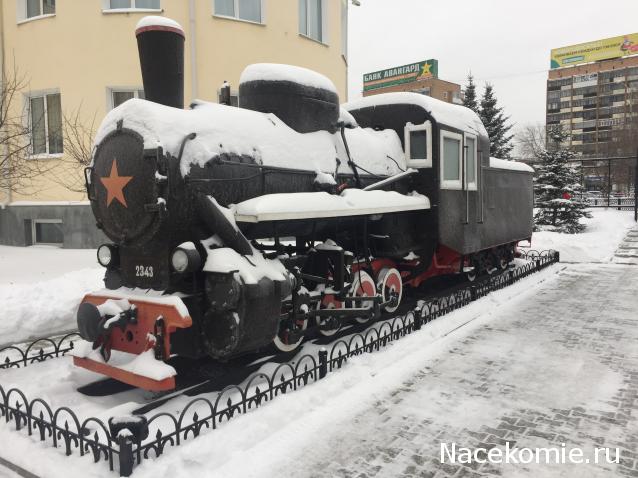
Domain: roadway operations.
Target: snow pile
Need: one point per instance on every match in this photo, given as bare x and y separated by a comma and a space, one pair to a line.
281, 72
251, 269
147, 365
445, 113
605, 230
125, 295
41, 288
157, 21
511, 165
225, 129
351, 202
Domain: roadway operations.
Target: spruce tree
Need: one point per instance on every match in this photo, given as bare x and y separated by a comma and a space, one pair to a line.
469, 94
556, 187
496, 124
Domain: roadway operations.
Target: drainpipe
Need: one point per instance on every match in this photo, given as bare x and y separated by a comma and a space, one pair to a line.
4, 152
193, 48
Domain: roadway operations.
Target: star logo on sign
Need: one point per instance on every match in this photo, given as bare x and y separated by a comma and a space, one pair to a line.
426, 70
114, 185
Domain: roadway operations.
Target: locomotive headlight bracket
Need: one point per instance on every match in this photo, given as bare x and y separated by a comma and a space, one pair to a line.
108, 255
185, 259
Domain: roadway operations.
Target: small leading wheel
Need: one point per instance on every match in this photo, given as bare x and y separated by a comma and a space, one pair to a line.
362, 286
328, 326
290, 334
390, 286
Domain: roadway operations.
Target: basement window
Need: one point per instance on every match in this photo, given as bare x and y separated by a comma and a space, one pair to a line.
47, 232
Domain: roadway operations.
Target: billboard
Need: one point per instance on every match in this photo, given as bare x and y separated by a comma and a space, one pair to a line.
401, 74
606, 49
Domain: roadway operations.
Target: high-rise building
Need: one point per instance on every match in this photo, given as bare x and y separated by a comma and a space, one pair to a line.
79, 59
592, 92
421, 77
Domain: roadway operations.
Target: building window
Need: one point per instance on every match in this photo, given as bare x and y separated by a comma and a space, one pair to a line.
47, 231
132, 5
470, 161
117, 96
248, 10
45, 124
451, 155
311, 19
27, 9
418, 145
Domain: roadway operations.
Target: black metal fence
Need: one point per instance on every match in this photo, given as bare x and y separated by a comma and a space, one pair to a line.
619, 203
125, 446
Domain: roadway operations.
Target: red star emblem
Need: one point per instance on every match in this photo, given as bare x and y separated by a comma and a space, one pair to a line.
114, 185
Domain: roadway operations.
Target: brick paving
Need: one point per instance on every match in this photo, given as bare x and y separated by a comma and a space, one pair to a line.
559, 369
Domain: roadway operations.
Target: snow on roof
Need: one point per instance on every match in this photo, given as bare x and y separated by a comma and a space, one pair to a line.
263, 136
351, 202
448, 114
347, 119
156, 21
511, 165
280, 72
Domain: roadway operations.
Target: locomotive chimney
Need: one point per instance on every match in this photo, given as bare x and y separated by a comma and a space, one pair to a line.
160, 42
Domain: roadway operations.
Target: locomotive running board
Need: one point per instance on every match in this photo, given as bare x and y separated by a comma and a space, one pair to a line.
130, 378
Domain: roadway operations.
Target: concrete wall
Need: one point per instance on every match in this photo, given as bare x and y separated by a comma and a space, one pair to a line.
78, 225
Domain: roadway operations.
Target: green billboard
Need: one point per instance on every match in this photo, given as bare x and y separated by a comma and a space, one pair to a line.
397, 75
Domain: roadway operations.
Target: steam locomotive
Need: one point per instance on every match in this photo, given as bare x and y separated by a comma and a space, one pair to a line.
240, 228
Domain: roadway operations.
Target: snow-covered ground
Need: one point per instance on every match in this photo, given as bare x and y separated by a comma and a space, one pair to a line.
276, 436
605, 230
41, 287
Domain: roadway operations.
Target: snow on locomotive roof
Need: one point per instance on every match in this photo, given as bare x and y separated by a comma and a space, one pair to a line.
351, 202
280, 72
511, 165
448, 114
263, 136
157, 21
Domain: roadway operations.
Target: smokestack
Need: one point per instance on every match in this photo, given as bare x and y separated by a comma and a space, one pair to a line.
160, 42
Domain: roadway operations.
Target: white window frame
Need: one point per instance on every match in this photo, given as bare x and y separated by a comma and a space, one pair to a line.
21, 12
239, 19
34, 237
110, 103
418, 162
27, 108
106, 8
471, 186
344, 28
324, 23
451, 183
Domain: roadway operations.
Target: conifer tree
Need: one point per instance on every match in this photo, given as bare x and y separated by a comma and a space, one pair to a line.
469, 94
496, 124
557, 187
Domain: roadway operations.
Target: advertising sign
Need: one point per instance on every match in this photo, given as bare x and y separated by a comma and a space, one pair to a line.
401, 74
606, 49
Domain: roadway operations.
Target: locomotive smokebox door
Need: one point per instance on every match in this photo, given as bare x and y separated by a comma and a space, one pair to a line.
124, 191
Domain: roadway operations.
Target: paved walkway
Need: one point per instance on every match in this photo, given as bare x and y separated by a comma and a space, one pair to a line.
627, 252
559, 368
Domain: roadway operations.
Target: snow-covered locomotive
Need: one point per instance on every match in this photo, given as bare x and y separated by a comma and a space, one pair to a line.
237, 228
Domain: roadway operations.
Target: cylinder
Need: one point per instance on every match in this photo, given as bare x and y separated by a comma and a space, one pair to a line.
160, 43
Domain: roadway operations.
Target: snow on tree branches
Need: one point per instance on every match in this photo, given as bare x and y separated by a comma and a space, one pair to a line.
496, 124
556, 187
469, 95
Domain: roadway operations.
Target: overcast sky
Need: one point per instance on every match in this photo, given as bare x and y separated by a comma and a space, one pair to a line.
504, 42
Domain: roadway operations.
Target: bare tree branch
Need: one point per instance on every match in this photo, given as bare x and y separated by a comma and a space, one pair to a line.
78, 149
18, 169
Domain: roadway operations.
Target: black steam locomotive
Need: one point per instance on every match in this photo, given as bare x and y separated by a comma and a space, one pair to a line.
238, 228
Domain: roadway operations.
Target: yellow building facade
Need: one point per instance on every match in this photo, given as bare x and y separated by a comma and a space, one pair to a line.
80, 56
